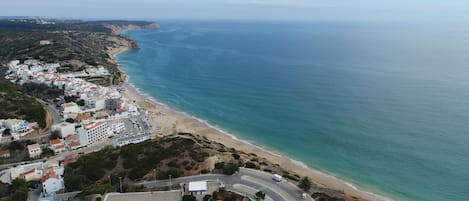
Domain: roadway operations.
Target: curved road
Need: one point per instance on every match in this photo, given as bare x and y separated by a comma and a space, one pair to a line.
246, 181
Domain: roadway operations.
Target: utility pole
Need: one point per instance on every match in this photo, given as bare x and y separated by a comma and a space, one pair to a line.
109, 177
120, 182
154, 174
170, 185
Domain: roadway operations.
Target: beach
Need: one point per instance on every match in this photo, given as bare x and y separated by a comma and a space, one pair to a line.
169, 121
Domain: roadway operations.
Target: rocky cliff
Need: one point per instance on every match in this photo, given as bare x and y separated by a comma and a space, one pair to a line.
119, 28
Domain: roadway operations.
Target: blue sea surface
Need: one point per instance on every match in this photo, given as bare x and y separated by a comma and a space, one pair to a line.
381, 105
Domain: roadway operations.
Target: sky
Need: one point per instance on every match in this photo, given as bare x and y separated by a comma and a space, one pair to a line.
242, 9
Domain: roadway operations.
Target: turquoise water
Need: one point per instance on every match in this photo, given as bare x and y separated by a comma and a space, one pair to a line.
384, 106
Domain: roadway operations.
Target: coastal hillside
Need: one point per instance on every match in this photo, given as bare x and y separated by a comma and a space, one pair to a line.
18, 104
182, 154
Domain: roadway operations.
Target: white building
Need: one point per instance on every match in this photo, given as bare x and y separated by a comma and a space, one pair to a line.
95, 104
70, 108
65, 129
117, 127
33, 174
57, 145
92, 132
28, 171
131, 140
52, 182
17, 125
198, 187
34, 150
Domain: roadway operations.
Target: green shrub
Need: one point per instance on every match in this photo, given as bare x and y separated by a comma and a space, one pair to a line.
188, 198
230, 169
251, 165
236, 156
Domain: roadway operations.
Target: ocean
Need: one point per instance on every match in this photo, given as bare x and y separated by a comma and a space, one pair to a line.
384, 106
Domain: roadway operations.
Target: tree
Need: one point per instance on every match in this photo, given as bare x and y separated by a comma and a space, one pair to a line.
188, 198
260, 195
54, 135
15, 145
81, 102
305, 184
68, 99
7, 132
230, 169
236, 156
70, 120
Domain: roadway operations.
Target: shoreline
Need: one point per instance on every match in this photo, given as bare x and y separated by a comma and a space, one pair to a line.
171, 121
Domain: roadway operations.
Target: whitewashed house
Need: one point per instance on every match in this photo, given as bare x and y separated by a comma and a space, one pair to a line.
52, 182
65, 129
34, 150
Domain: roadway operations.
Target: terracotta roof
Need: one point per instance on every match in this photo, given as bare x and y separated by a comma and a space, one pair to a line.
28, 172
68, 161
82, 117
92, 125
4, 152
56, 141
49, 175
74, 144
59, 146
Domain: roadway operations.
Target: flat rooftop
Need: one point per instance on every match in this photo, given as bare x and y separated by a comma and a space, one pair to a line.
175, 195
197, 186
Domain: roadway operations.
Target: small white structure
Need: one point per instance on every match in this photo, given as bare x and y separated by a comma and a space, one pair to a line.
44, 42
33, 174
65, 129
22, 170
57, 145
93, 132
70, 108
18, 127
96, 104
198, 187
52, 182
117, 127
132, 139
34, 150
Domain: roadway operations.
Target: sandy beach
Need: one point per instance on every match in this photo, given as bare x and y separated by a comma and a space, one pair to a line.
169, 121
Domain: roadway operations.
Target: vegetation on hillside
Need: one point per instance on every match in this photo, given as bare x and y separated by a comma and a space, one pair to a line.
176, 156
325, 197
16, 191
18, 105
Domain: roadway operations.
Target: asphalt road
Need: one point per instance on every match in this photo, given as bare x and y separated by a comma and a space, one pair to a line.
56, 118
246, 181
